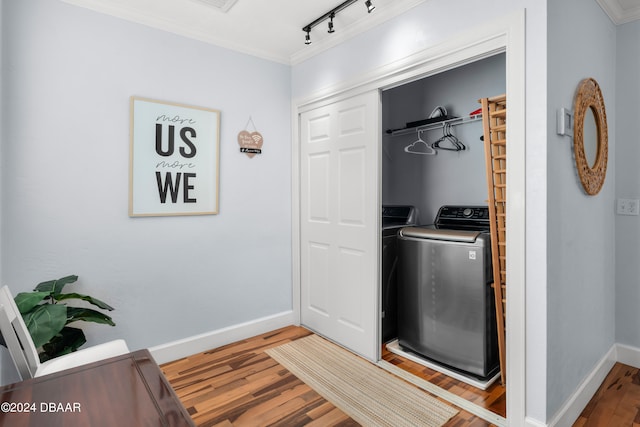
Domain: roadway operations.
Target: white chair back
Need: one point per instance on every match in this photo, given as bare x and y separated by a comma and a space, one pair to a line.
17, 336
25, 355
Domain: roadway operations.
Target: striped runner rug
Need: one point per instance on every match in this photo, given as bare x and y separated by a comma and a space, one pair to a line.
368, 394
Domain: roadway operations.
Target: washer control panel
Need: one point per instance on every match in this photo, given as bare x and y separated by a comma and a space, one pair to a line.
464, 217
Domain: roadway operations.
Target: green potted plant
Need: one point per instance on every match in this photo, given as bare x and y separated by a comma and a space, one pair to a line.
46, 314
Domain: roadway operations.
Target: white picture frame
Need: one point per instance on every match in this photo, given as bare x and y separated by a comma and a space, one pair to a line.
174, 159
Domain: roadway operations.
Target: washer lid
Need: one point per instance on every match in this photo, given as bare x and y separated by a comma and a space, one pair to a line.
439, 234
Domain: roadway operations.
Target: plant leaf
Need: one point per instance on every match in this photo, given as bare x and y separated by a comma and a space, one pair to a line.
46, 286
45, 322
88, 315
26, 301
95, 301
69, 339
54, 287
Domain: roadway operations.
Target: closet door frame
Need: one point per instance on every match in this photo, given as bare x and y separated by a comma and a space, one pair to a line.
504, 35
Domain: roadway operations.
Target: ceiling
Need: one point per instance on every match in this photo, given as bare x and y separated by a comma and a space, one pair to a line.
270, 29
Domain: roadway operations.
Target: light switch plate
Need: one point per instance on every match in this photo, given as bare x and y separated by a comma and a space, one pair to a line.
564, 123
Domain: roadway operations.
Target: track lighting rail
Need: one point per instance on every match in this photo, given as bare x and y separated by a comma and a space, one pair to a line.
330, 15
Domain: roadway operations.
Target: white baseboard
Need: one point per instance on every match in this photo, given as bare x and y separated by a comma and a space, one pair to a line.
571, 410
196, 344
628, 355
530, 422
574, 406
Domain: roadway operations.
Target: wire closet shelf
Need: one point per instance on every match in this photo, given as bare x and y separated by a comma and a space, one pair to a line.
455, 121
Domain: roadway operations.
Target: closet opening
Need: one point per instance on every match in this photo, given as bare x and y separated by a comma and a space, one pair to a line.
438, 310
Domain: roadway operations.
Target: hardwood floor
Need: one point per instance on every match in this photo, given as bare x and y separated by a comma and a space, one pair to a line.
617, 401
494, 398
240, 385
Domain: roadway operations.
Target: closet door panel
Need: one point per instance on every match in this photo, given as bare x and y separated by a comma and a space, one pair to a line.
339, 222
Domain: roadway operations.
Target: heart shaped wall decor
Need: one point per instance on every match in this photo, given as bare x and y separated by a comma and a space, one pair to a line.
250, 143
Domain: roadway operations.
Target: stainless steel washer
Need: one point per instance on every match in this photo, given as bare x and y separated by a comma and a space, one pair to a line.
446, 303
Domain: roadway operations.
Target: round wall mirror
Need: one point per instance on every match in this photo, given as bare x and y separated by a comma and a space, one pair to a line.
590, 140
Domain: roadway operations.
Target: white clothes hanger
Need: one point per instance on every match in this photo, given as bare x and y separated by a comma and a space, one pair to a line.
420, 147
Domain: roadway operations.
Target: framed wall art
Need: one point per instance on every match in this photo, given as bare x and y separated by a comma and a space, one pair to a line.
174, 159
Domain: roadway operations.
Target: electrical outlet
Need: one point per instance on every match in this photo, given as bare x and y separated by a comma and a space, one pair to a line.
628, 207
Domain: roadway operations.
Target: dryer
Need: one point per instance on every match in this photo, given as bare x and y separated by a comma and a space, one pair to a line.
394, 217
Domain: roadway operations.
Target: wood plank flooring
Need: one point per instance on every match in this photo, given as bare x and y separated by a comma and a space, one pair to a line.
240, 385
617, 401
494, 398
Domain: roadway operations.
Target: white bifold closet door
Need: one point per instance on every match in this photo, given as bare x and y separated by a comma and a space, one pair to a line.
339, 167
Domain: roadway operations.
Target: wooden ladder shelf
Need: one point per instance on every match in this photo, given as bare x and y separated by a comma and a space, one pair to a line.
494, 119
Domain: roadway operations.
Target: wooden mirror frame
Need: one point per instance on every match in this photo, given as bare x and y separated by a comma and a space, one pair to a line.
589, 96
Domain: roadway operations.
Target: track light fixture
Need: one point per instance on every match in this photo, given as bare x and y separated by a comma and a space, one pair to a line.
330, 15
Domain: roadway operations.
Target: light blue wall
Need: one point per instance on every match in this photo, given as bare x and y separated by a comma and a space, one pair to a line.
8, 372
628, 184
580, 230
65, 168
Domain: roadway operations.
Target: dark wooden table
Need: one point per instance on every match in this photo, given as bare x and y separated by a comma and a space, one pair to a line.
127, 390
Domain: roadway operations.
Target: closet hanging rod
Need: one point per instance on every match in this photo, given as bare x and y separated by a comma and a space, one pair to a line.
438, 125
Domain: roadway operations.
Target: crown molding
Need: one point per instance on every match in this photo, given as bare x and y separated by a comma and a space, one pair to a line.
130, 13
618, 13
142, 17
